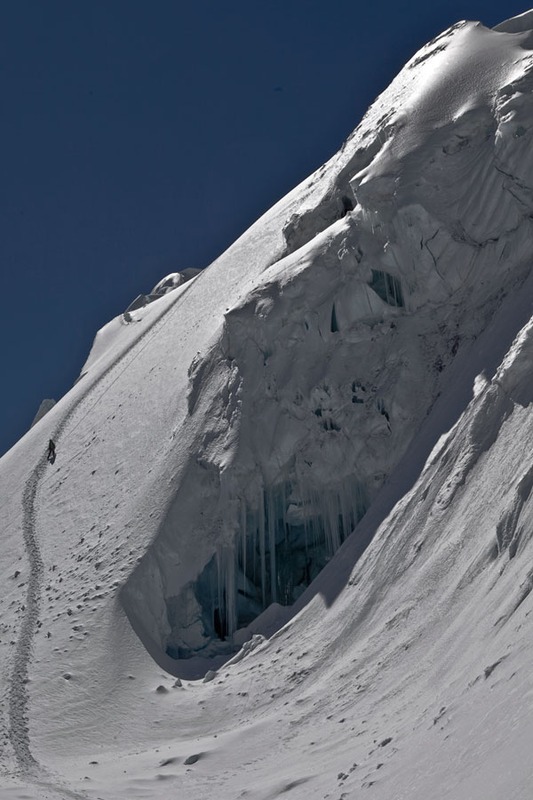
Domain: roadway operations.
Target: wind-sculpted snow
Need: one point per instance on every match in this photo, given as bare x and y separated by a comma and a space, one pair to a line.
318, 451
323, 370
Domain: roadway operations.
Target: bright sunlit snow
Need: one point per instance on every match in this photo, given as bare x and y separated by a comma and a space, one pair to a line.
285, 546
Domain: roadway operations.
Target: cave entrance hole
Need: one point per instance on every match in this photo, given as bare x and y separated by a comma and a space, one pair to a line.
283, 543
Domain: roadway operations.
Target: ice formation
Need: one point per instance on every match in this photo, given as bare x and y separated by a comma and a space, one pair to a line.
393, 261
283, 543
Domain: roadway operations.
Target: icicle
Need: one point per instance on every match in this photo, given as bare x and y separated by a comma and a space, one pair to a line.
219, 612
219, 582
272, 519
254, 549
262, 546
317, 523
230, 594
329, 533
244, 542
346, 511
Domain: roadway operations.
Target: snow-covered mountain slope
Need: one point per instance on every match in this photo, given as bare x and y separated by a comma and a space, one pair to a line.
322, 439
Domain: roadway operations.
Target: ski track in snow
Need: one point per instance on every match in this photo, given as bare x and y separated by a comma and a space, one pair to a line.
18, 700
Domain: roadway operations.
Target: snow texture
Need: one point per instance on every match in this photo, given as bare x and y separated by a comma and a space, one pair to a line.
44, 408
285, 546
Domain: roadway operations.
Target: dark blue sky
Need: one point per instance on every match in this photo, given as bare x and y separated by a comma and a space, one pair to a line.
139, 138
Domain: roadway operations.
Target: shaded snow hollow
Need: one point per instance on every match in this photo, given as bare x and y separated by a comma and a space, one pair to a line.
321, 439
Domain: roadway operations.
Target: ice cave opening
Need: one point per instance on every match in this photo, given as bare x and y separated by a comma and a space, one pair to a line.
387, 287
283, 542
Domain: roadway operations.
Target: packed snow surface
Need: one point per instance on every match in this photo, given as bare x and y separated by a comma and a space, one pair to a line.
285, 547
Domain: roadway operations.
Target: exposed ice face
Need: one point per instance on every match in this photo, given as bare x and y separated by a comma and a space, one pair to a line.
284, 541
322, 372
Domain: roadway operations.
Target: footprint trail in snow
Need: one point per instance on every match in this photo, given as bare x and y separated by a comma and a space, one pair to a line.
18, 699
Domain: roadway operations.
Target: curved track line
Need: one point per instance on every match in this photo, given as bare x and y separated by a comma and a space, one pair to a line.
18, 698
18, 701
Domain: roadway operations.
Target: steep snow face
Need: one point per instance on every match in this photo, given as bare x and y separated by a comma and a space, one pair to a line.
520, 24
319, 376
353, 350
